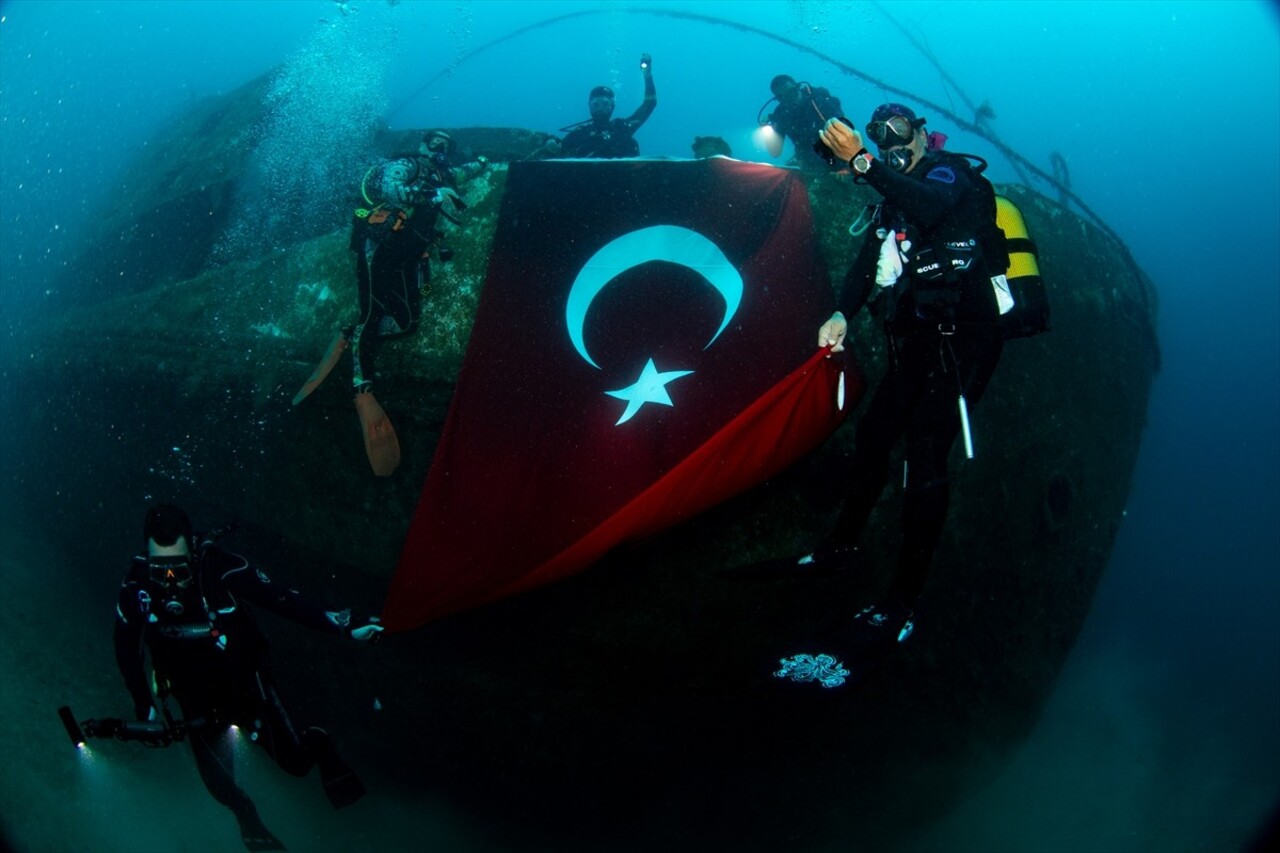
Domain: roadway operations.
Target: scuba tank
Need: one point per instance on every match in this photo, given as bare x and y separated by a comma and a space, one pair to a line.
1029, 314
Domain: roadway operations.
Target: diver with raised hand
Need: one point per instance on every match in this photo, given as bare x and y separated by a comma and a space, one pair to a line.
180, 606
605, 137
932, 267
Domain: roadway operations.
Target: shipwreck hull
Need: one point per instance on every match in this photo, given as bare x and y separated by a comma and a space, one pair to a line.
551, 715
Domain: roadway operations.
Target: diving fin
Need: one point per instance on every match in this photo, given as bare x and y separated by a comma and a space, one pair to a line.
331, 357
380, 440
341, 784
254, 834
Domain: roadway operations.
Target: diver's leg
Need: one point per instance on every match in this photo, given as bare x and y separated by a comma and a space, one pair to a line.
215, 759
925, 500
296, 753
341, 784
934, 426
400, 291
878, 431
365, 335
274, 731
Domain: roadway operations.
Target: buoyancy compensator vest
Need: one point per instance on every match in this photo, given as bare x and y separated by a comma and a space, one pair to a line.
945, 269
936, 265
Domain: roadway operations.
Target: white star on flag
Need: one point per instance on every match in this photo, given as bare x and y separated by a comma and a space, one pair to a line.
649, 388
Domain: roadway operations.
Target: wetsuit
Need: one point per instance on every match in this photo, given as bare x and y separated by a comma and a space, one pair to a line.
207, 652
800, 122
611, 138
941, 319
391, 246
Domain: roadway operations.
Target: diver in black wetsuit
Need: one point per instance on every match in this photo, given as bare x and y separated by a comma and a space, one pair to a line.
392, 239
933, 266
604, 137
392, 242
801, 112
181, 604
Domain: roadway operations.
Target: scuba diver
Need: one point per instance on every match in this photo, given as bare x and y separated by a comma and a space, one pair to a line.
393, 239
801, 113
181, 605
710, 146
604, 137
932, 267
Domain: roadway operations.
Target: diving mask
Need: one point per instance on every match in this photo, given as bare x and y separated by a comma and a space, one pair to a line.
170, 571
895, 130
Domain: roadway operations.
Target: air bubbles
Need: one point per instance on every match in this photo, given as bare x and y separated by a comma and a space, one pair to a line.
314, 137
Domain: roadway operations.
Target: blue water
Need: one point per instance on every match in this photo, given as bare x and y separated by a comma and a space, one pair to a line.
1161, 734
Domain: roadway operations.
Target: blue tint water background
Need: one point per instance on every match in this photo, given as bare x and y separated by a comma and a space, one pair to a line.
1161, 734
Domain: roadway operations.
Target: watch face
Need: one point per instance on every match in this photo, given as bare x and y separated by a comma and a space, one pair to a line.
861, 164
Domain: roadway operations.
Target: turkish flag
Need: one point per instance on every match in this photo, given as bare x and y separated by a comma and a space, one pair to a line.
644, 349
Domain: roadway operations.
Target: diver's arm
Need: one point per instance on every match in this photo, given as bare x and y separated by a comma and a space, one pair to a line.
860, 280
571, 145
550, 148
854, 291
255, 585
927, 200
850, 298
129, 657
467, 171
779, 121
650, 102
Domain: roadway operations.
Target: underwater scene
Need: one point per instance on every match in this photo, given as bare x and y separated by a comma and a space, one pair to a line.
564, 426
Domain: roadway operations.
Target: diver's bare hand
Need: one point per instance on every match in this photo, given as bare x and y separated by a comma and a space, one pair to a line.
833, 332
843, 140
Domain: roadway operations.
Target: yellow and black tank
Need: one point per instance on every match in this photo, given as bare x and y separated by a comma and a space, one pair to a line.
1030, 313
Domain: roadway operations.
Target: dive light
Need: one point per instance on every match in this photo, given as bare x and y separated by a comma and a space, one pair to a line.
149, 732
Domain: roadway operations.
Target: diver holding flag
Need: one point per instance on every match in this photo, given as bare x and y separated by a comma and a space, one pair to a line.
180, 608
932, 267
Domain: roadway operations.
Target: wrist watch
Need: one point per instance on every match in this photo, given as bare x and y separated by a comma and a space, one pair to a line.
860, 162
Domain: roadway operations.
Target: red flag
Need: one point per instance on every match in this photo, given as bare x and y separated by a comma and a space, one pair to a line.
643, 350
